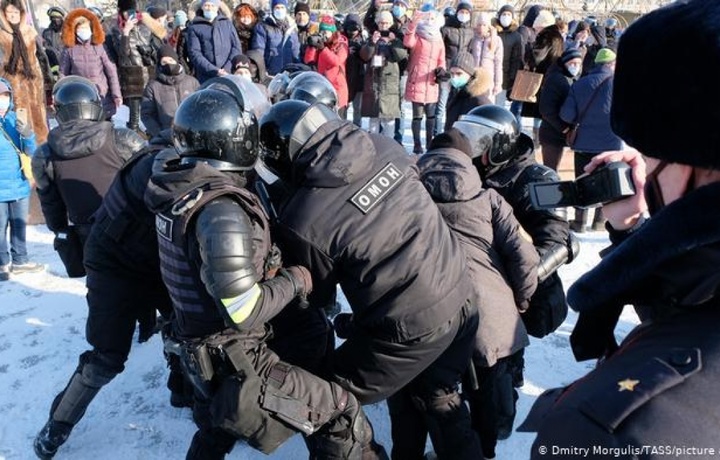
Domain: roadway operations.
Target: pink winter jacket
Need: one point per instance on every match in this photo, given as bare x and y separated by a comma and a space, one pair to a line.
490, 60
425, 57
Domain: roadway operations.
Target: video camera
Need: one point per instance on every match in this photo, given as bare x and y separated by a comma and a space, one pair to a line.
610, 182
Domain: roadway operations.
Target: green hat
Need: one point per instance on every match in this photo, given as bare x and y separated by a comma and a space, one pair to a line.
604, 56
327, 22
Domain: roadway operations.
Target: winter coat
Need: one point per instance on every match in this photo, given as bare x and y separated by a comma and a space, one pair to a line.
375, 248
488, 54
554, 91
211, 46
304, 32
89, 60
53, 44
463, 100
28, 93
381, 94
528, 34
659, 388
355, 66
161, 98
76, 167
331, 64
513, 53
599, 42
594, 134
276, 44
547, 48
457, 37
137, 54
13, 184
501, 263
546, 229
425, 57
245, 32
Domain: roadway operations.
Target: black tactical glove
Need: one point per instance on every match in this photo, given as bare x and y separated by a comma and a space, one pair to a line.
316, 41
300, 276
343, 325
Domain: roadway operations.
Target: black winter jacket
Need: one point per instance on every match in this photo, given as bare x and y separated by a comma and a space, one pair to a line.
474, 94
548, 231
161, 98
502, 265
659, 387
76, 166
359, 216
513, 54
457, 37
555, 89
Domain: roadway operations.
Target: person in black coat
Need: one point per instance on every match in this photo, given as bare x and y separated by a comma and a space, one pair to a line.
513, 49
355, 65
357, 215
471, 87
656, 392
555, 89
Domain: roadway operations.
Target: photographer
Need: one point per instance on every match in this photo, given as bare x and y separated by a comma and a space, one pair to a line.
659, 386
330, 55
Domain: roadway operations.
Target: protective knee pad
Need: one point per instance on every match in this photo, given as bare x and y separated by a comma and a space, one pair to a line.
346, 434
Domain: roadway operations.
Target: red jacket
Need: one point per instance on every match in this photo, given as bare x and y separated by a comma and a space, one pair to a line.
331, 64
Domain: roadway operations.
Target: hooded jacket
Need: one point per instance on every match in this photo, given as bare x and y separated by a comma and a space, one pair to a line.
354, 66
544, 52
331, 63
89, 60
513, 53
377, 249
555, 89
277, 43
161, 98
501, 264
211, 46
13, 184
474, 94
75, 168
457, 37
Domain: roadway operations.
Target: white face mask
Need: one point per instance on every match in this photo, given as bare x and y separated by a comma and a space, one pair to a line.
279, 13
573, 70
83, 34
505, 20
463, 17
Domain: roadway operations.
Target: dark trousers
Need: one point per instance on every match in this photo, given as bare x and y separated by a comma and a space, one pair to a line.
420, 380
551, 155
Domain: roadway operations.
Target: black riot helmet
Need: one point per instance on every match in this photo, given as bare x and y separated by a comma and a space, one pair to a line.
285, 129
312, 87
492, 130
218, 124
77, 98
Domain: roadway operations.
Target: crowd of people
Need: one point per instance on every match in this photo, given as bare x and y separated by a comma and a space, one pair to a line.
239, 196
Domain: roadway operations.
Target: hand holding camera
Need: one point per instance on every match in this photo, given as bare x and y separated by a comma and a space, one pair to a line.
316, 41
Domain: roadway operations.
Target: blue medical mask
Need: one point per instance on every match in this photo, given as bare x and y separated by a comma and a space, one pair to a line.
4, 104
84, 34
458, 81
573, 70
398, 11
279, 14
210, 14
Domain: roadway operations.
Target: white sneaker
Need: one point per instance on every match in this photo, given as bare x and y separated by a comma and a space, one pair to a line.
27, 267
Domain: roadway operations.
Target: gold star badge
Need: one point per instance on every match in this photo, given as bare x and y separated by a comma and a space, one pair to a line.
627, 385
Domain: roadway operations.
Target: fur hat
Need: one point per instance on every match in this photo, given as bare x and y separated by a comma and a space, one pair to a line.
464, 61
544, 19
125, 5
71, 20
302, 7
646, 113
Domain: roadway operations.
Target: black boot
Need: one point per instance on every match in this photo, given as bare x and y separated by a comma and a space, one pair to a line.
417, 148
598, 223
51, 437
578, 224
429, 130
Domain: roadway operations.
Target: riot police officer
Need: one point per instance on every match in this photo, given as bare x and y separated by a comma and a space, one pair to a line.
214, 242
355, 213
77, 164
504, 157
124, 287
312, 87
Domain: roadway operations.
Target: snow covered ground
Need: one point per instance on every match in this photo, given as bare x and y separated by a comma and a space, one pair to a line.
42, 320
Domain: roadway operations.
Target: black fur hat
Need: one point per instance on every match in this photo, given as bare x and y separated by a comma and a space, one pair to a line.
666, 100
124, 5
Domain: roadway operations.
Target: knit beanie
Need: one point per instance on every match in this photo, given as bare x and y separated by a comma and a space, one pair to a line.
464, 61
156, 12
327, 23
544, 19
302, 7
384, 16
464, 6
605, 56
279, 2
506, 9
180, 18
452, 139
569, 55
167, 51
213, 2
404, 3
240, 62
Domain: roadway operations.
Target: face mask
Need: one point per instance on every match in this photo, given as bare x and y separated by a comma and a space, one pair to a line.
463, 17
505, 20
458, 81
171, 69
653, 193
573, 70
279, 14
4, 104
84, 35
398, 11
209, 14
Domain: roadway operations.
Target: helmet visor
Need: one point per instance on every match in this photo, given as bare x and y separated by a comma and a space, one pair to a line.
243, 90
486, 136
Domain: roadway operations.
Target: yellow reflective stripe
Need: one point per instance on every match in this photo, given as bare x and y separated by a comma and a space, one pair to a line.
240, 307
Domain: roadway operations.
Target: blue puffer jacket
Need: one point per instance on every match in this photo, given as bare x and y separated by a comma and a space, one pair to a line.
211, 46
13, 185
279, 44
594, 134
